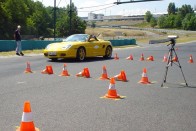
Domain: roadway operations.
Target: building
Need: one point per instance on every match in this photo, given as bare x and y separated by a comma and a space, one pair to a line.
95, 17
101, 17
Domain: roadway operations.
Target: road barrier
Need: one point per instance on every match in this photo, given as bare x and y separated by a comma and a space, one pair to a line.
10, 45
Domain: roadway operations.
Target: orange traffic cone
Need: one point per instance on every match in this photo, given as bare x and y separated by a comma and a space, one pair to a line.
28, 68
121, 76
165, 58
27, 119
64, 72
48, 70
191, 59
84, 73
104, 75
80, 74
175, 59
112, 93
142, 57
116, 56
144, 79
150, 58
130, 57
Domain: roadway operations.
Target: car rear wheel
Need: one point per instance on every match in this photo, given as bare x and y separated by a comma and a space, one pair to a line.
108, 52
81, 54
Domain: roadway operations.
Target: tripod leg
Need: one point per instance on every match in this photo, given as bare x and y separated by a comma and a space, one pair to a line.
167, 66
181, 69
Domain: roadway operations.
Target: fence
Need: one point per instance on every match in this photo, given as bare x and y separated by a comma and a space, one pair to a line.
10, 45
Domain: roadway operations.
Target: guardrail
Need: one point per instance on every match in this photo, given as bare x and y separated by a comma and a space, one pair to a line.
10, 45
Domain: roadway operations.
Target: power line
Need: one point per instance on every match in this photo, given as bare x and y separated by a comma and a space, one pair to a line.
133, 1
98, 9
95, 6
66, 2
59, 3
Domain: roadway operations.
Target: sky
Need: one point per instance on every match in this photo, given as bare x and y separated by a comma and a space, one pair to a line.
107, 7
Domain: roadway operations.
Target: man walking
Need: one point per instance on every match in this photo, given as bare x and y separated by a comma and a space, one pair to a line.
17, 37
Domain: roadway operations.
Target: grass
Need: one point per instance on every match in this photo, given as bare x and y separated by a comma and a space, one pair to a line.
11, 53
122, 22
142, 25
181, 39
107, 32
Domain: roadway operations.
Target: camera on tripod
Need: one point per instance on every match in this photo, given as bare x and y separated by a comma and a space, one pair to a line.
171, 38
170, 60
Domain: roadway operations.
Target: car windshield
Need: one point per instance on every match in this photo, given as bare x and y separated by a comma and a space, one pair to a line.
78, 37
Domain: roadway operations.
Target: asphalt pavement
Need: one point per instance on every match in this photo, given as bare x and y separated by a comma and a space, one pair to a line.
74, 104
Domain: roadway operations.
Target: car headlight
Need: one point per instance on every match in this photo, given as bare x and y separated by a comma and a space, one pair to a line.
66, 47
47, 47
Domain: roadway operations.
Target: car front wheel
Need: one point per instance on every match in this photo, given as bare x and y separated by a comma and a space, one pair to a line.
81, 54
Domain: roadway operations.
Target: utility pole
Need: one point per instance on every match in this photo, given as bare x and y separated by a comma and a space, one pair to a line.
70, 17
54, 19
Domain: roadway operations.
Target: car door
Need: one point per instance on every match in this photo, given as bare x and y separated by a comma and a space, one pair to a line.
94, 48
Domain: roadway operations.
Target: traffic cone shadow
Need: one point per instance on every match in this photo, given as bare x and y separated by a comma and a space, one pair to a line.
144, 79
191, 59
104, 75
47, 70
121, 76
28, 68
112, 93
27, 123
64, 72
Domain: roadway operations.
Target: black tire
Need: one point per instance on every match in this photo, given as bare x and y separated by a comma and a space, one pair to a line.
81, 54
108, 52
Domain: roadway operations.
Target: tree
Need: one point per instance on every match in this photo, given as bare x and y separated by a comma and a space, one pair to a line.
189, 22
35, 19
161, 21
93, 24
171, 8
153, 22
148, 16
39, 20
19, 12
170, 21
77, 24
185, 9
177, 21
4, 22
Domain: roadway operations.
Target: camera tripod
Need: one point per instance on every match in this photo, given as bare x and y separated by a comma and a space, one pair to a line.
170, 61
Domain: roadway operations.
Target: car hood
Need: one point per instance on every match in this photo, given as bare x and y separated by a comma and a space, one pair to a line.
60, 45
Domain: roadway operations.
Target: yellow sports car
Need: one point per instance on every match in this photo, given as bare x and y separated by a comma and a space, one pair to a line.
79, 46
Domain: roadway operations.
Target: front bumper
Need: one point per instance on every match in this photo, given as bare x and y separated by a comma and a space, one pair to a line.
60, 54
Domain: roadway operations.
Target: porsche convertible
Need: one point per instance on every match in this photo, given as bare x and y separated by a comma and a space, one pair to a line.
79, 46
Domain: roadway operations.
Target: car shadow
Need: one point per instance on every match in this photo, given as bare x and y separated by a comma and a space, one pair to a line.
89, 59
